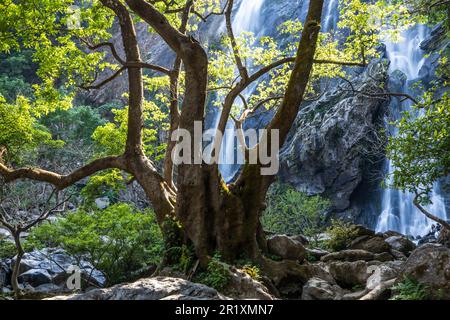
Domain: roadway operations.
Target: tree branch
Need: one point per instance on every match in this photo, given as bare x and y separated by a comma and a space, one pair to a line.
58, 180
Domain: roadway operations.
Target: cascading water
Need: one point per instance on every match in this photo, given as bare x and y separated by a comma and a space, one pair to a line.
398, 211
246, 19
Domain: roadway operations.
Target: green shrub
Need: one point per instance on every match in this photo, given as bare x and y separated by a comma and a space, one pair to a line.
118, 240
7, 249
292, 212
341, 234
409, 289
217, 274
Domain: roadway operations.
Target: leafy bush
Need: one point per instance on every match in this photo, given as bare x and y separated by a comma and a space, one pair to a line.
341, 234
118, 241
293, 212
217, 274
7, 249
409, 289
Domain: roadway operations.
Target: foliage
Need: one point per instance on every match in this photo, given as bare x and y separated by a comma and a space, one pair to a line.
7, 249
17, 74
117, 241
74, 125
105, 184
420, 151
217, 274
20, 131
341, 234
253, 271
293, 212
409, 289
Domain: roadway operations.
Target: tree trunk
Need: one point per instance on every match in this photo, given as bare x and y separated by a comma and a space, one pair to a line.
16, 268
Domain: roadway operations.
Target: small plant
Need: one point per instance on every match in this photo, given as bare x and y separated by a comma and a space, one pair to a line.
7, 249
409, 289
217, 274
341, 234
252, 271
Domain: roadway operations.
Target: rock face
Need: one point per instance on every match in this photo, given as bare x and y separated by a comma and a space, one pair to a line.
430, 266
327, 149
286, 247
159, 288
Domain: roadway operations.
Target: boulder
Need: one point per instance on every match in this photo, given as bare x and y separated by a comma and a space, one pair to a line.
158, 288
51, 266
35, 277
242, 286
349, 255
5, 274
382, 273
430, 266
371, 244
401, 243
356, 255
349, 274
444, 237
286, 247
318, 289
316, 254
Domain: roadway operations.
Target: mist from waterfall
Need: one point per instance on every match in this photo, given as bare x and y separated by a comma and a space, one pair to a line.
398, 211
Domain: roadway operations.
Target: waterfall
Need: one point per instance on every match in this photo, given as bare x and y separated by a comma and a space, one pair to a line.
398, 211
247, 18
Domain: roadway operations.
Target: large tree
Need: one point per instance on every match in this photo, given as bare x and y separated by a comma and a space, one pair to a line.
204, 210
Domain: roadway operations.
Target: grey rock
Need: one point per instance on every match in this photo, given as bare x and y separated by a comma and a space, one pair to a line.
430, 266
159, 288
286, 247
102, 203
318, 289
349, 255
323, 153
349, 274
371, 244
401, 243
35, 277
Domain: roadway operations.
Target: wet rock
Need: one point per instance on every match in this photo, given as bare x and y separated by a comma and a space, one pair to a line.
286, 247
434, 41
158, 288
430, 266
318, 289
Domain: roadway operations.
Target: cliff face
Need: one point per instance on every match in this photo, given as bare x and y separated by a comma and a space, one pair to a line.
335, 144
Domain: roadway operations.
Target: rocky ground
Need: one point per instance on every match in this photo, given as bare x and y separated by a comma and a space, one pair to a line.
367, 269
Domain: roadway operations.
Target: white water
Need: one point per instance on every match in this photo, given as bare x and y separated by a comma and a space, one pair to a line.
248, 17
398, 211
